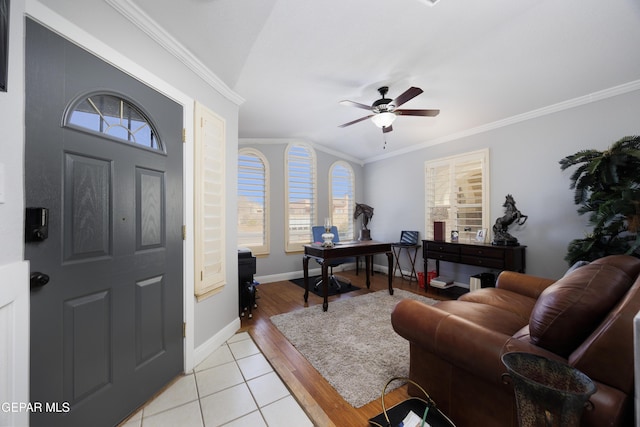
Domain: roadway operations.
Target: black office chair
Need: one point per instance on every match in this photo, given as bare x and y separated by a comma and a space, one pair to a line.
318, 231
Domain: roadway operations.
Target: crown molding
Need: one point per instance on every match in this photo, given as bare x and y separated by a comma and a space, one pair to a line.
150, 27
540, 112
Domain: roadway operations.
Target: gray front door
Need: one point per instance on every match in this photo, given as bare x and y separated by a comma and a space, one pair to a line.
106, 329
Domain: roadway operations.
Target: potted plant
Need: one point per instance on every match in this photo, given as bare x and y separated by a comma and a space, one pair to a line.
606, 185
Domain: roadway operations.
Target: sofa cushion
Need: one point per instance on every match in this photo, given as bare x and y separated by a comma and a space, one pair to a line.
491, 317
569, 310
518, 304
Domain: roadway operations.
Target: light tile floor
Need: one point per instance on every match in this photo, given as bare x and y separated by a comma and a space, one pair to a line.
235, 386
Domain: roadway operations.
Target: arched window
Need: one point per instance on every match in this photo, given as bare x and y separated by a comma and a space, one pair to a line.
253, 201
112, 116
301, 200
341, 198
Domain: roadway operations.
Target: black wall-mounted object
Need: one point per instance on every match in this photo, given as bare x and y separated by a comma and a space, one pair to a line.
36, 225
4, 44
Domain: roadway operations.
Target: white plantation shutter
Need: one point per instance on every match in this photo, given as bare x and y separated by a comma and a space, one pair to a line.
253, 201
457, 194
209, 202
468, 178
342, 204
300, 209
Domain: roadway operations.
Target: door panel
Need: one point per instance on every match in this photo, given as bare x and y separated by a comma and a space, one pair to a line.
87, 336
87, 210
106, 331
150, 213
149, 320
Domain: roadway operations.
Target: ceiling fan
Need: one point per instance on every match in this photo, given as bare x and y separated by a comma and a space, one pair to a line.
386, 110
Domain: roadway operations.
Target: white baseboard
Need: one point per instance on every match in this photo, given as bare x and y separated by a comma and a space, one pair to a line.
212, 344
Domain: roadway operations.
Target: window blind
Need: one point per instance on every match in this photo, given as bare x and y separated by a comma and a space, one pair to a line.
457, 194
209, 200
342, 184
253, 210
300, 211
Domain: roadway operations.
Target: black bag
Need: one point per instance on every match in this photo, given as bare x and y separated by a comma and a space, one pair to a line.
393, 416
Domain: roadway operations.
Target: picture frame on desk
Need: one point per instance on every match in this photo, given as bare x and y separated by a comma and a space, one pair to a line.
481, 235
454, 235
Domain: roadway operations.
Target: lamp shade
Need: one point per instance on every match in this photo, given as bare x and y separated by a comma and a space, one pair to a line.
383, 119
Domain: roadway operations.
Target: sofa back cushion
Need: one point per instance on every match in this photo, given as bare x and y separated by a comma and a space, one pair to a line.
570, 309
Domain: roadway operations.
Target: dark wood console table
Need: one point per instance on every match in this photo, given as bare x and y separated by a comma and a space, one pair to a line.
479, 254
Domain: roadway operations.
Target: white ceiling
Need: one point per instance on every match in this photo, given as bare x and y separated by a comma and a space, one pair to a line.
479, 62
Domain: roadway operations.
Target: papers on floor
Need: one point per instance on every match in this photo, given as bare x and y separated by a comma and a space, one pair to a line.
413, 420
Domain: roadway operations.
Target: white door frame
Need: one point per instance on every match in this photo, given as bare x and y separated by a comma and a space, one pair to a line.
62, 26
14, 344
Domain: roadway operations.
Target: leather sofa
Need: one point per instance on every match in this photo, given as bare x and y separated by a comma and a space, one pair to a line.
584, 319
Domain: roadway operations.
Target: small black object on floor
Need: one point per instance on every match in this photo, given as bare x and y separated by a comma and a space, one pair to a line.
344, 287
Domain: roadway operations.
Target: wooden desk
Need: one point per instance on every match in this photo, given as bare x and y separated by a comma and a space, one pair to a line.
480, 254
366, 248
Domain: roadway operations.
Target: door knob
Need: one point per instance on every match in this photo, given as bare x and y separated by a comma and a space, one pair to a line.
38, 280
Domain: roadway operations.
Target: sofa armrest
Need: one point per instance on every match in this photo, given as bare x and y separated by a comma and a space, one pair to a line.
464, 344
523, 284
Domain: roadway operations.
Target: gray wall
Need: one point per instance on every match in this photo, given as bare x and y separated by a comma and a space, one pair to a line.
279, 265
523, 162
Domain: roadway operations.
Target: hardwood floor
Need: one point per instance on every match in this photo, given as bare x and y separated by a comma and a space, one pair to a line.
321, 402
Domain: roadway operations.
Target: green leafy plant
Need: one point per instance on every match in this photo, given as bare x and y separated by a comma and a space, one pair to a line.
606, 185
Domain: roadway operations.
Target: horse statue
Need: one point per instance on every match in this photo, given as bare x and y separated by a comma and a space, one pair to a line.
367, 212
512, 215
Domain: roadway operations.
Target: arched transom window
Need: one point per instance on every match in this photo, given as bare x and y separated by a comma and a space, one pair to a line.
113, 116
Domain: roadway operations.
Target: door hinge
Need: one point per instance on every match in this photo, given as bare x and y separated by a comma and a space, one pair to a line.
184, 232
184, 135
184, 329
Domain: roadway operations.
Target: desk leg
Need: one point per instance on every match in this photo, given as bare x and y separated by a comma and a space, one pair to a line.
367, 266
390, 262
305, 268
397, 264
325, 286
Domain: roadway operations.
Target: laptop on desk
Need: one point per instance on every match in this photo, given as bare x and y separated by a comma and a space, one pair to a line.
408, 238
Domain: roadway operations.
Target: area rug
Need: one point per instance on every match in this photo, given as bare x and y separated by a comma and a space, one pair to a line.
344, 287
352, 345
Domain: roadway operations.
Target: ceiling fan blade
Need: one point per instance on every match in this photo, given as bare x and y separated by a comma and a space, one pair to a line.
429, 113
387, 129
355, 104
356, 121
408, 95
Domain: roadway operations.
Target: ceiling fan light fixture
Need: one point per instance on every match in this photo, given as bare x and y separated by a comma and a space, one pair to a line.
429, 2
383, 119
